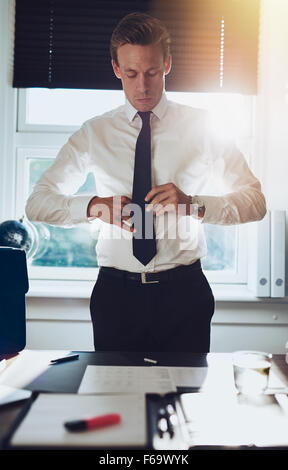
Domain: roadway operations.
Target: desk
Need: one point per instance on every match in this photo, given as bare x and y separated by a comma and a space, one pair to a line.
67, 377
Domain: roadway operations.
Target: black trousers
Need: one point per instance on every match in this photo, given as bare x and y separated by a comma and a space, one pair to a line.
173, 315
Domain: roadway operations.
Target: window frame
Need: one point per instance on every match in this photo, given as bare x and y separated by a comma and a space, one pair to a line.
22, 191
22, 125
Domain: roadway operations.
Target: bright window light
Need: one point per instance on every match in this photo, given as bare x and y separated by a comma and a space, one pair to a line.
65, 107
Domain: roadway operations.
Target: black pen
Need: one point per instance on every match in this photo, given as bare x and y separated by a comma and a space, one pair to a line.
72, 357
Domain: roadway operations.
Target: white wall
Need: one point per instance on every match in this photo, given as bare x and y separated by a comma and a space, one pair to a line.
262, 326
7, 110
272, 100
236, 325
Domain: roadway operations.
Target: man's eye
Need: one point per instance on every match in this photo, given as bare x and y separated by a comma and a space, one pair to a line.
131, 75
152, 74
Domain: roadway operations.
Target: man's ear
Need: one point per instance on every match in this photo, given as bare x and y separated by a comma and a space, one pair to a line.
168, 64
116, 69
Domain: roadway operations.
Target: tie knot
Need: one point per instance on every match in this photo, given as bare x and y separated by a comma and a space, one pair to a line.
145, 116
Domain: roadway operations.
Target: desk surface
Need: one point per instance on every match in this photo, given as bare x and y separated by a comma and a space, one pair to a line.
66, 377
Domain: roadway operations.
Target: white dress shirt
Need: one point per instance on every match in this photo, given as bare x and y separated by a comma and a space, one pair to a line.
184, 152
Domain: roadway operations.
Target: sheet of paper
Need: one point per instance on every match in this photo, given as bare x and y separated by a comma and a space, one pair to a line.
27, 366
126, 379
213, 420
11, 394
44, 423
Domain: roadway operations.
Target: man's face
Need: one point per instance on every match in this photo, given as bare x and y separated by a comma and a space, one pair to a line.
142, 70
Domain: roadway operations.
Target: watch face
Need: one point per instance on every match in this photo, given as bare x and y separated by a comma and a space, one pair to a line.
197, 200
199, 213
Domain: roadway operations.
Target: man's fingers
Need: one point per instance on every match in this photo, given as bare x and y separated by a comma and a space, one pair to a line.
126, 211
118, 202
125, 223
168, 208
127, 226
159, 189
154, 191
160, 209
123, 200
122, 224
160, 200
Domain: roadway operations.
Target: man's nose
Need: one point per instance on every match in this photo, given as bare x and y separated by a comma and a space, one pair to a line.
142, 83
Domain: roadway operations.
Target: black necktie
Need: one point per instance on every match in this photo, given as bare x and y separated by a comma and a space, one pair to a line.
144, 241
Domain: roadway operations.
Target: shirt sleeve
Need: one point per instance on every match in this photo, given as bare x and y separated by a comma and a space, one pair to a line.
243, 200
53, 199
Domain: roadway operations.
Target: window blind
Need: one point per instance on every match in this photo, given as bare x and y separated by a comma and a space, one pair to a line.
65, 43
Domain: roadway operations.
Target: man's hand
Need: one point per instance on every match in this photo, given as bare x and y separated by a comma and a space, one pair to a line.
111, 210
168, 198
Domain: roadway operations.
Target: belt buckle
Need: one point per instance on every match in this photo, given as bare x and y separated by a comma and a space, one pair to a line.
145, 281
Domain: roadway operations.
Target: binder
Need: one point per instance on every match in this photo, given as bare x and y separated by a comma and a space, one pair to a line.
259, 255
278, 253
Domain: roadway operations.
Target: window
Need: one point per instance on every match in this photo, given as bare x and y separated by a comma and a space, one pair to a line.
73, 107
62, 253
54, 249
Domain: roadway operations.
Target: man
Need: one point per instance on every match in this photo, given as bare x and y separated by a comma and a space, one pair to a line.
150, 157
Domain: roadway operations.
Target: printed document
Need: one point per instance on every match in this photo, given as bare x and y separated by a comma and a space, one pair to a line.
126, 379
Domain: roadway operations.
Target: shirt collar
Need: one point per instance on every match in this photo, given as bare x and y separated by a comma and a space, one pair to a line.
158, 110
161, 107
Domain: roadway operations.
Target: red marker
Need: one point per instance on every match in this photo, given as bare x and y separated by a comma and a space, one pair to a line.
93, 423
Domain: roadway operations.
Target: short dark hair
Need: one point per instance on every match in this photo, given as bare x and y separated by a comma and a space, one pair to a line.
140, 28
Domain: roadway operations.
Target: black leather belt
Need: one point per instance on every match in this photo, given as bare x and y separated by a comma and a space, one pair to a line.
152, 278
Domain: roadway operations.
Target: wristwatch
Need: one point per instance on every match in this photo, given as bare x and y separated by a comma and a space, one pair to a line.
201, 206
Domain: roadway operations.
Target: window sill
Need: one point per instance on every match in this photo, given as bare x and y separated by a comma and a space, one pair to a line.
73, 289
241, 293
